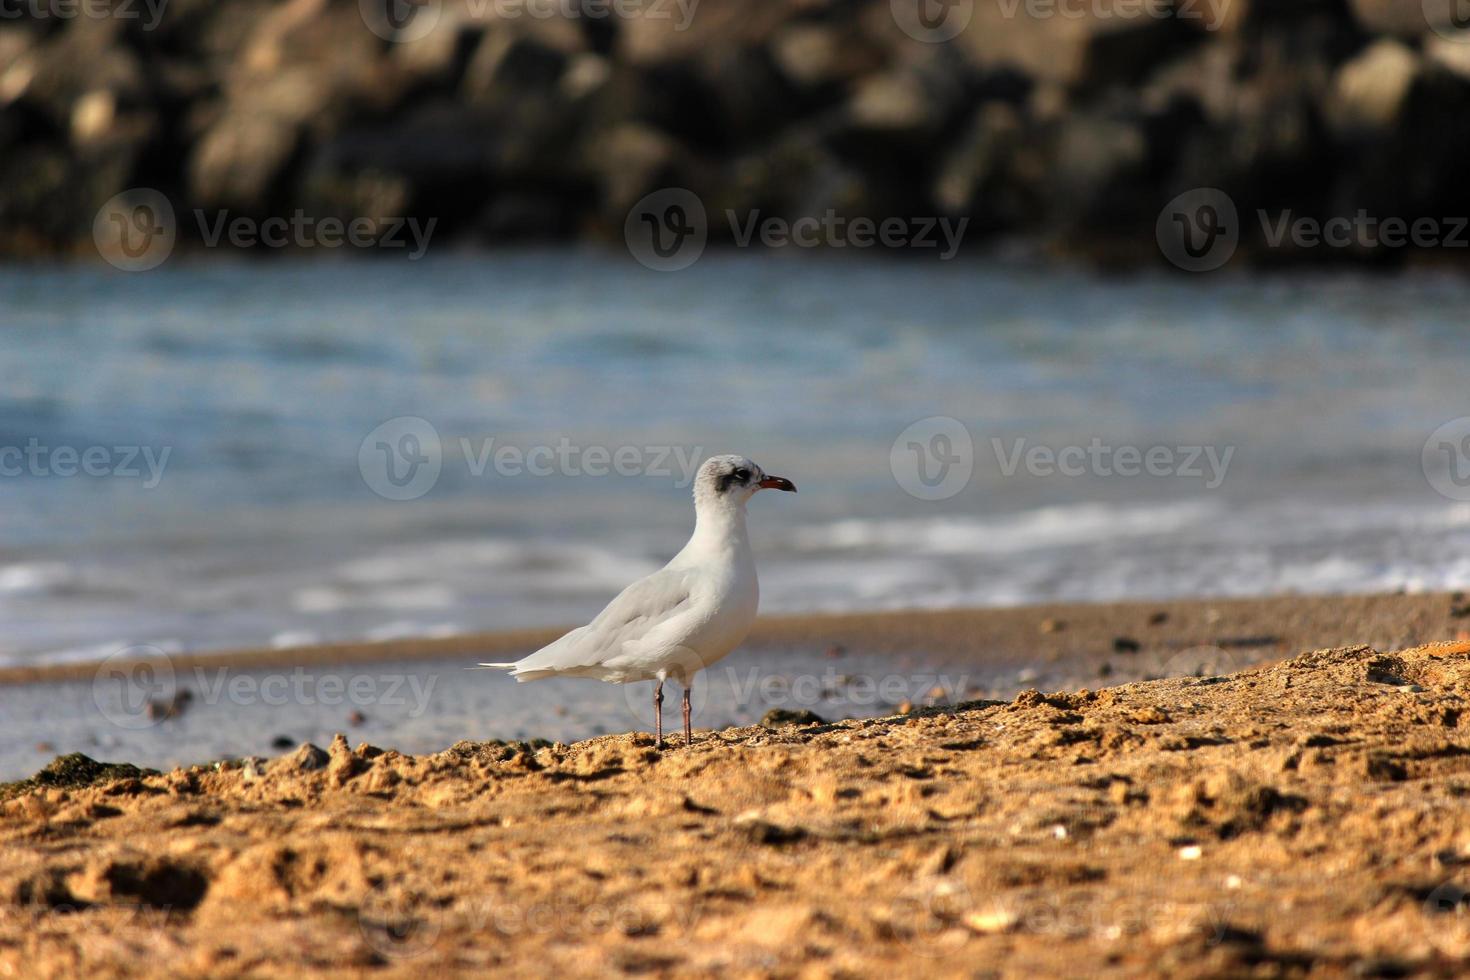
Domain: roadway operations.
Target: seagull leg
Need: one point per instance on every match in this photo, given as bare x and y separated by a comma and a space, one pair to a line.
688, 736
658, 715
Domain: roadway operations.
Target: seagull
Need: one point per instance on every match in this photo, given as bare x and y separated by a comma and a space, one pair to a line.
685, 616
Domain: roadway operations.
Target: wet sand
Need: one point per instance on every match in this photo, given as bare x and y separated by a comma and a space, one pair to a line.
1050, 633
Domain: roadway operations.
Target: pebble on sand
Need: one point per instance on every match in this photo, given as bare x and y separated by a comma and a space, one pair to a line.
990, 921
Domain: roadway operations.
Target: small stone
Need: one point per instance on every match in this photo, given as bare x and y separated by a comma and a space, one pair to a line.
1191, 852
355, 717
1126, 644
1381, 767
307, 758
991, 921
1051, 626
252, 768
836, 652
780, 717
282, 742
1158, 619
940, 862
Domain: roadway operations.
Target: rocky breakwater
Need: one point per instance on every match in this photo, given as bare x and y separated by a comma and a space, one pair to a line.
1070, 123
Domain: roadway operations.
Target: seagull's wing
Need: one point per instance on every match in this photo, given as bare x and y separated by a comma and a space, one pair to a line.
647, 614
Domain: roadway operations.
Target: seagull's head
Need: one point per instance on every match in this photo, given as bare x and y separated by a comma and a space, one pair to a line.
732, 480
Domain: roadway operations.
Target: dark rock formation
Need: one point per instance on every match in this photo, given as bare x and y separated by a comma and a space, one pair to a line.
513, 122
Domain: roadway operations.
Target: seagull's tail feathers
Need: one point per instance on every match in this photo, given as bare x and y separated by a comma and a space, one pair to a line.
493, 667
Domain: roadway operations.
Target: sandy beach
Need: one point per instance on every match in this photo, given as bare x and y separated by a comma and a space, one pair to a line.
1302, 818
416, 696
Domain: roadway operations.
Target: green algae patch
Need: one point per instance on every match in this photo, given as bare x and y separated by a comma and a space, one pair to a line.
74, 771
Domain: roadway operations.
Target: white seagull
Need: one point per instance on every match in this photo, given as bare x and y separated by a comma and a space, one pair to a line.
685, 616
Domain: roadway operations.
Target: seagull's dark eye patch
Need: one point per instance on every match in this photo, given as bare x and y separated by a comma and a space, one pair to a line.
741, 476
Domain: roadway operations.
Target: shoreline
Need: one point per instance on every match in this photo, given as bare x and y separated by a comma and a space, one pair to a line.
1048, 632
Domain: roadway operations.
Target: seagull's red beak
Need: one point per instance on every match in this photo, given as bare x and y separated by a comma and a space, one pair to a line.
777, 483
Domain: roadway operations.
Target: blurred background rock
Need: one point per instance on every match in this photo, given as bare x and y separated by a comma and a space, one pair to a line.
1065, 125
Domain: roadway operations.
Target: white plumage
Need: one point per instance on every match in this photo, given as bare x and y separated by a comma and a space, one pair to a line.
685, 616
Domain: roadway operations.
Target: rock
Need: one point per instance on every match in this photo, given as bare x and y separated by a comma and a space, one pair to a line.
1394, 16
308, 758
1368, 92
761, 831
631, 160
240, 160
977, 173
173, 707
1124, 51
992, 921
355, 717
1126, 644
282, 742
823, 54
781, 717
1384, 768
